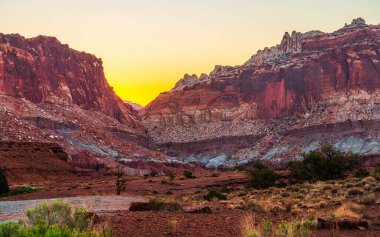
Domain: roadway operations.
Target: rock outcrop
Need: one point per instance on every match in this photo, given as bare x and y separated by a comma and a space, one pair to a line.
50, 93
309, 79
41, 69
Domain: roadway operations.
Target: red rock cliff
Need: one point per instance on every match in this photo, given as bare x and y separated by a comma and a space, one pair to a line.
41, 69
305, 70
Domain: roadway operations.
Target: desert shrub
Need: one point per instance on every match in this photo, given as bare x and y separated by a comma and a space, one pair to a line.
249, 228
354, 191
376, 189
349, 185
171, 176
54, 219
288, 204
360, 184
171, 226
327, 187
188, 174
361, 173
153, 174
348, 210
4, 188
214, 194
262, 177
214, 175
267, 227
59, 213
324, 164
251, 206
13, 229
157, 205
21, 190
276, 210
376, 172
368, 200
322, 204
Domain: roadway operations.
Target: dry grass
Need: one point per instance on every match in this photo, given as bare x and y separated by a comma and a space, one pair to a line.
348, 210
171, 226
249, 227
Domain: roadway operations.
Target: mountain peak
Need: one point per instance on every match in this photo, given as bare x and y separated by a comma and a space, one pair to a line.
358, 22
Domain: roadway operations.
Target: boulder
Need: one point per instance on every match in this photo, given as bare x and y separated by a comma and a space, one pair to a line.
140, 206
343, 224
198, 209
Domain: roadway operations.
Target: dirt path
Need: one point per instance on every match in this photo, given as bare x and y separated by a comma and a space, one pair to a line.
99, 204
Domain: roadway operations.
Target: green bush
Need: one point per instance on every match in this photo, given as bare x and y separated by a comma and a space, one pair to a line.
171, 176
214, 194
324, 164
157, 205
376, 172
262, 177
368, 200
354, 191
4, 188
285, 229
361, 173
56, 219
59, 213
13, 229
21, 190
188, 174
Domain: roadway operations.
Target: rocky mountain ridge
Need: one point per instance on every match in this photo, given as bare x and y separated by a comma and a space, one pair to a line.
50, 93
41, 69
307, 81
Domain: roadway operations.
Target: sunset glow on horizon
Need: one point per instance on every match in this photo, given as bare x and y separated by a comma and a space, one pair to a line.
147, 45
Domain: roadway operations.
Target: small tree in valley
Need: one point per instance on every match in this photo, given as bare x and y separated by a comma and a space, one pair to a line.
120, 180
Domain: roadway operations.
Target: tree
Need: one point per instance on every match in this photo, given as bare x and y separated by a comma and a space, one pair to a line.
262, 176
120, 180
4, 188
324, 164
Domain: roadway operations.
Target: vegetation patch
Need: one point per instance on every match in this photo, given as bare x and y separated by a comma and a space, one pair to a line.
21, 190
54, 219
265, 228
262, 177
326, 163
157, 205
214, 194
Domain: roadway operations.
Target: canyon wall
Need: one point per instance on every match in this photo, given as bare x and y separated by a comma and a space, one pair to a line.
41, 69
309, 79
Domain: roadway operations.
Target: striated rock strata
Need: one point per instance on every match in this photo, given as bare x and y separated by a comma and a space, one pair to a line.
52, 93
41, 69
308, 80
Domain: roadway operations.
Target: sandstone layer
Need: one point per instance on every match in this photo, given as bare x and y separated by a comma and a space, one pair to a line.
308, 80
50, 93
41, 69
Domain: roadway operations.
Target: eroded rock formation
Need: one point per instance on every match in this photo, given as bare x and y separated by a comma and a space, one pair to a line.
41, 69
52, 93
309, 79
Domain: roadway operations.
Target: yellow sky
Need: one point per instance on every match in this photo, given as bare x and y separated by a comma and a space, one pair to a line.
148, 45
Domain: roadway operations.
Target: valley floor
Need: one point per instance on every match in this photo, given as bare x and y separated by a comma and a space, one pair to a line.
97, 194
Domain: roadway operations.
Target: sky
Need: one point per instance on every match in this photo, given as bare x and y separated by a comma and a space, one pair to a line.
147, 45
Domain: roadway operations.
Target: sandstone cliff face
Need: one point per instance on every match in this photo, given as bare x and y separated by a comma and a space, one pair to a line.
307, 80
41, 69
289, 78
51, 93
